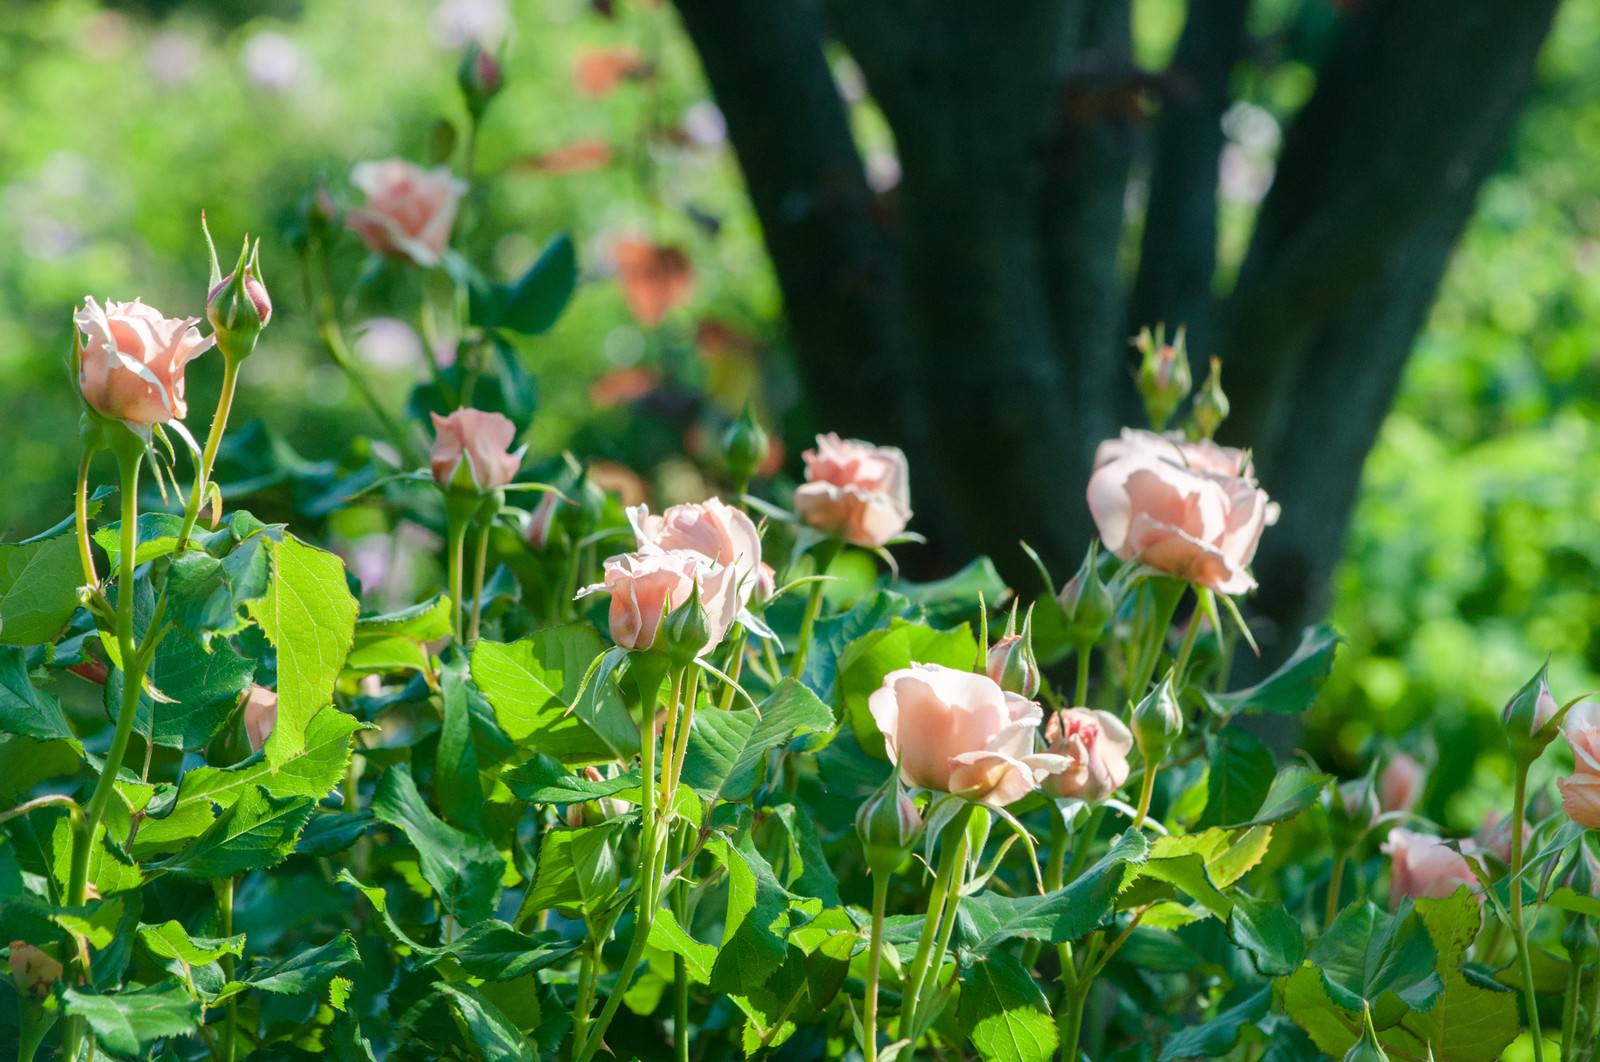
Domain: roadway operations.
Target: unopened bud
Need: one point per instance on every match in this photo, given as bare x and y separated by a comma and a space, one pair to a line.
480, 78
888, 825
1164, 380
687, 630
1352, 809
1157, 722
1011, 662
1529, 717
33, 970
744, 446
1086, 601
594, 812
1366, 1049
1210, 407
237, 305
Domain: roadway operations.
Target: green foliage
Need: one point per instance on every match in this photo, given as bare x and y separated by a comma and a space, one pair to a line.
38, 588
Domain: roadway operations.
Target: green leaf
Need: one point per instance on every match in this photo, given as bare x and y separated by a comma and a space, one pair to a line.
124, 1023
1004, 1012
309, 616
457, 786
170, 940
464, 869
533, 685
1386, 961
667, 935
208, 596
578, 869
542, 779
988, 919
1294, 790
757, 920
532, 305
39, 582
158, 536
493, 1034
256, 830
957, 595
1471, 1022
304, 972
1294, 686
1240, 774
869, 658
313, 773
203, 686
1268, 932
1201, 865
23, 709
727, 747
1215, 1038
396, 641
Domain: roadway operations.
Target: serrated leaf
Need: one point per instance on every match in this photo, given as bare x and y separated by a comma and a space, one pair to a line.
1004, 1012
208, 595
533, 685
170, 940
1293, 687
1294, 790
757, 920
726, 747
578, 869
494, 1035
988, 920
957, 595
201, 686
456, 784
38, 588
394, 641
1386, 961
1215, 1038
667, 935
871, 657
305, 972
125, 1022
464, 869
1240, 774
256, 830
1471, 1022
24, 709
309, 616
543, 780
1268, 932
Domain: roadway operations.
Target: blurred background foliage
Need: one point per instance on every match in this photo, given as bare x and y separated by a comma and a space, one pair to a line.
1474, 553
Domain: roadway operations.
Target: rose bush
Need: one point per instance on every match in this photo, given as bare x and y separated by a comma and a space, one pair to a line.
690, 782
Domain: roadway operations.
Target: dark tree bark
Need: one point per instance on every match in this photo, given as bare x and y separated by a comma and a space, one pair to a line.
983, 324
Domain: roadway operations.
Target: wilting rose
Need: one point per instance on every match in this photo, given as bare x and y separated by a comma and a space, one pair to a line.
646, 586
482, 440
133, 360
410, 210
1095, 745
1192, 510
855, 490
712, 528
1425, 867
33, 970
1400, 784
959, 732
260, 716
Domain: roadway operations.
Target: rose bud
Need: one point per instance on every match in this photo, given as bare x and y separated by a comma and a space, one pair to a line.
1424, 867
1095, 745
260, 716
588, 508
594, 812
688, 630
645, 587
855, 490
1528, 717
712, 528
237, 305
472, 451
131, 361
1087, 602
1158, 722
1191, 510
1352, 809
1210, 407
1164, 380
1010, 661
541, 521
744, 447
33, 970
960, 733
888, 825
1366, 1049
409, 211
1400, 784
480, 78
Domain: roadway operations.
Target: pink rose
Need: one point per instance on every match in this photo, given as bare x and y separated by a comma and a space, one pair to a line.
1580, 792
1494, 836
712, 528
958, 732
1580, 798
1400, 784
855, 490
542, 520
483, 441
1425, 867
260, 716
1192, 510
646, 586
133, 360
409, 210
1095, 745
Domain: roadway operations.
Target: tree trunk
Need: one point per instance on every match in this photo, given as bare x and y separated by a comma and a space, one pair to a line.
983, 326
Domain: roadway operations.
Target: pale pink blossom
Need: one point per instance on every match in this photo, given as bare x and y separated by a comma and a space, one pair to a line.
134, 358
855, 490
409, 210
1095, 745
